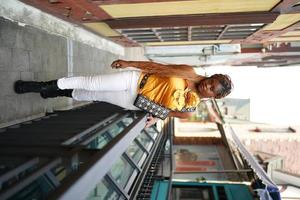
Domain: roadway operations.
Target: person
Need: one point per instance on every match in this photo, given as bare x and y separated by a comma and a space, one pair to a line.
175, 87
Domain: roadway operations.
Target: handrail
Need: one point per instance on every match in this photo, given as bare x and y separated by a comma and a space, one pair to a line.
18, 169
251, 161
103, 129
170, 137
216, 171
137, 185
78, 185
28, 179
87, 131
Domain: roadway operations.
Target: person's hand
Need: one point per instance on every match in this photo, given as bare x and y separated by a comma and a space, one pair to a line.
150, 121
119, 64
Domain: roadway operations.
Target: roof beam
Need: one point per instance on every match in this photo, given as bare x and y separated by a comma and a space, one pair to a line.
189, 33
193, 20
262, 36
287, 6
157, 34
74, 11
223, 32
110, 2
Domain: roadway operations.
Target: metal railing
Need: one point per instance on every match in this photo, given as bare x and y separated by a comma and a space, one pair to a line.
154, 171
60, 140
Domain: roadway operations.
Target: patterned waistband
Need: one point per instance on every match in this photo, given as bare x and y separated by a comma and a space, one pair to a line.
144, 80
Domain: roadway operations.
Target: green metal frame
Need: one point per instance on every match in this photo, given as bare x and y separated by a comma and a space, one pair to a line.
234, 191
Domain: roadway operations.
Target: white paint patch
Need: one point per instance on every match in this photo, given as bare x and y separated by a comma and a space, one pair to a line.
28, 15
70, 56
70, 62
21, 24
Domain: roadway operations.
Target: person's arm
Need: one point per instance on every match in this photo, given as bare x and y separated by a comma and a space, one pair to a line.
181, 71
151, 121
182, 115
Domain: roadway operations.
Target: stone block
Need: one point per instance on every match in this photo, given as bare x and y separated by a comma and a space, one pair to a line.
2, 108
8, 32
7, 79
5, 58
20, 60
27, 76
35, 61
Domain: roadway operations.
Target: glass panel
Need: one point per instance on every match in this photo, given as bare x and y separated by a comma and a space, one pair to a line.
116, 129
100, 141
190, 193
135, 152
121, 171
103, 191
104, 137
152, 131
127, 121
7, 164
221, 193
36, 190
59, 172
145, 140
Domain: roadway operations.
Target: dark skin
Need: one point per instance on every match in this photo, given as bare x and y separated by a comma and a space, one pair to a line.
203, 86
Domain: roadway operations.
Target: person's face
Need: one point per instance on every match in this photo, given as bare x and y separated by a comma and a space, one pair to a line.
209, 87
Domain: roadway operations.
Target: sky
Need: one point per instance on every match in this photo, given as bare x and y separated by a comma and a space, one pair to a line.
274, 92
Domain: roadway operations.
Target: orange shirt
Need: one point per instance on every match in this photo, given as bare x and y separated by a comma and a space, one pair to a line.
171, 92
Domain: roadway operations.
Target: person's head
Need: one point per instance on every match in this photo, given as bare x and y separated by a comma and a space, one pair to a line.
216, 86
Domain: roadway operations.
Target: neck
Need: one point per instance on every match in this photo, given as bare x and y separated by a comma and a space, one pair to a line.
193, 86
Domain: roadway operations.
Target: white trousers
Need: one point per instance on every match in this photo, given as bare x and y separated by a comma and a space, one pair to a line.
118, 88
